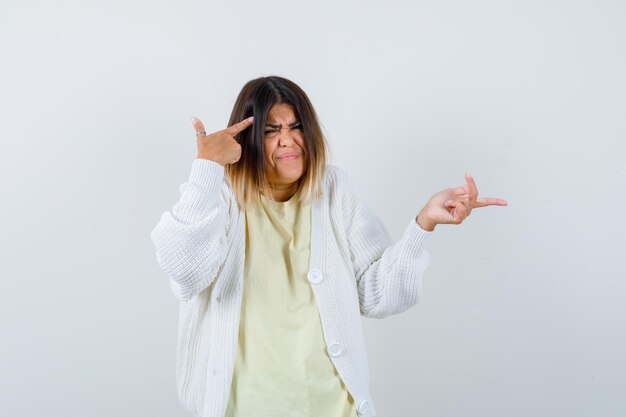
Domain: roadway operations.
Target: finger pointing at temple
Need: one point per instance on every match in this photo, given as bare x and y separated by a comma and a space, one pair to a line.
239, 127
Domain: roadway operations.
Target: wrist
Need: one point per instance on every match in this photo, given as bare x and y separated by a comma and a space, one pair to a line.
424, 223
200, 156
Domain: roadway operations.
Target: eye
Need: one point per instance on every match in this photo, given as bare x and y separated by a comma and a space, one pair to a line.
297, 126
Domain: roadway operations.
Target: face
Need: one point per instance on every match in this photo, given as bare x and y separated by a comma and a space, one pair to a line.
283, 147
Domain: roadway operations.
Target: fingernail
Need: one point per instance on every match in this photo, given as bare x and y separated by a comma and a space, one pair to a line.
251, 118
193, 120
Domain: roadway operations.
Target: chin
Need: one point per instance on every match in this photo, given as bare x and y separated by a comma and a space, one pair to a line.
288, 176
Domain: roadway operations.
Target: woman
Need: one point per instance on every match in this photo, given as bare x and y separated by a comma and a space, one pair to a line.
275, 258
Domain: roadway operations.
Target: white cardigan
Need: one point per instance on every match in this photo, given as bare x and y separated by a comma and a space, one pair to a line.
355, 270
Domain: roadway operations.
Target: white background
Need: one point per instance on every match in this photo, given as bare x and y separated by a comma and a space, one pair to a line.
523, 310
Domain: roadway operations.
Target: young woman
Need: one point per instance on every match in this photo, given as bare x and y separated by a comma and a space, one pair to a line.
275, 258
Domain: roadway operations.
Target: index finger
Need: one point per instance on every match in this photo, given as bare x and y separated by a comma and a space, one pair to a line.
239, 127
484, 202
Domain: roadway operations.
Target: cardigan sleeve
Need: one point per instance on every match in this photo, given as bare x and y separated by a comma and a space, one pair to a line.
388, 274
190, 239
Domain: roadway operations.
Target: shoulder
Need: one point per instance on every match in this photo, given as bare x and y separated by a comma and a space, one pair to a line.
336, 176
339, 184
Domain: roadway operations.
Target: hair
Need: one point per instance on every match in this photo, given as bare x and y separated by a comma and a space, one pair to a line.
248, 176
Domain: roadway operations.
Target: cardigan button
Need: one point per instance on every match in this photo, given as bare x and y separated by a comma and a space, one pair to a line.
315, 275
335, 349
363, 407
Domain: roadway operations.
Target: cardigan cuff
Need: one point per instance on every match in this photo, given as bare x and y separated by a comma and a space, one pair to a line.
415, 236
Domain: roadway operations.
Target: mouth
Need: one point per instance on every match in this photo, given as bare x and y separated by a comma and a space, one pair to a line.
289, 156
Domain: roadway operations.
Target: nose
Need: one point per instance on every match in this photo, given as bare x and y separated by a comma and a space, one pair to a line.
285, 138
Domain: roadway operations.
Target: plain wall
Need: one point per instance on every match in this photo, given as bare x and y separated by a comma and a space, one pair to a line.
522, 312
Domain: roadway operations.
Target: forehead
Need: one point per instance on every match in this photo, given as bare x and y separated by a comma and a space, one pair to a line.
282, 112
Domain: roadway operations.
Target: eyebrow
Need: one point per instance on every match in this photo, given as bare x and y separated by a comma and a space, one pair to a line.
277, 126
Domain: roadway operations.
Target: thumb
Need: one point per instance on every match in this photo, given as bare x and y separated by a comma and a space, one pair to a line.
197, 124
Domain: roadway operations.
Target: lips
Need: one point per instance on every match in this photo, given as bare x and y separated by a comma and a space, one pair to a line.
292, 155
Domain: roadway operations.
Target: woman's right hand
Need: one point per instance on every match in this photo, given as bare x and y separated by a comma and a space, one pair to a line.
220, 146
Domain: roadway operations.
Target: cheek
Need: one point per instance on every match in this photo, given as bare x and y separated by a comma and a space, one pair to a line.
268, 152
300, 141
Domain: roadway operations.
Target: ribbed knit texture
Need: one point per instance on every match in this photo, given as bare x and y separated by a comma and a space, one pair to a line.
355, 270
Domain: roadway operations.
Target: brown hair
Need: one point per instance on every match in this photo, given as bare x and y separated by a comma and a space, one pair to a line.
248, 176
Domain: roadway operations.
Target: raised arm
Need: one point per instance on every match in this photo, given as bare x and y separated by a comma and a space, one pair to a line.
191, 239
389, 276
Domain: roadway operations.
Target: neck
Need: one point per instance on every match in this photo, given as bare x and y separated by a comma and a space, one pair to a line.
284, 192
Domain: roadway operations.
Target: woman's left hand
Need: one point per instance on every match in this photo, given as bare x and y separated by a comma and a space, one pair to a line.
453, 205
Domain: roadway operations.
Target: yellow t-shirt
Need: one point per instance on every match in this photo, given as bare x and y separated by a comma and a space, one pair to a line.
282, 365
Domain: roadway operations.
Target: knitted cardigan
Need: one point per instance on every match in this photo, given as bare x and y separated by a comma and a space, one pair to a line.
355, 270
